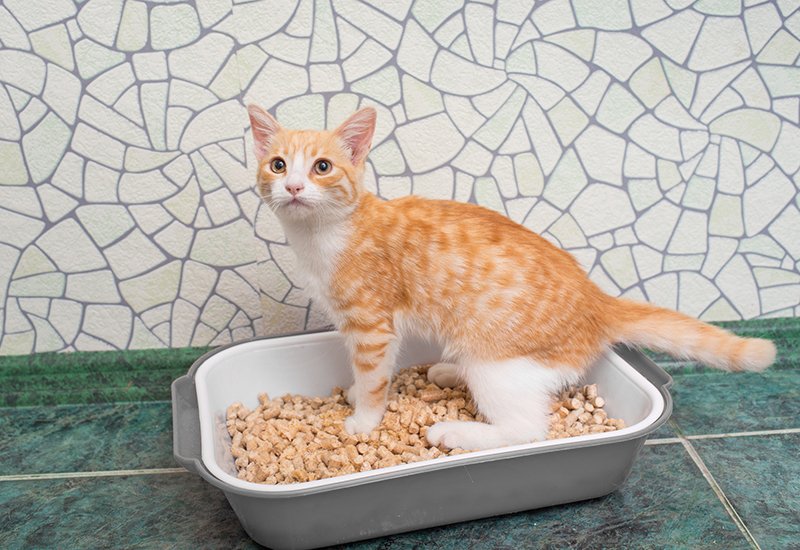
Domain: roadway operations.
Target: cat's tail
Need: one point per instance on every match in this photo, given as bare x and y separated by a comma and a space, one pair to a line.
646, 325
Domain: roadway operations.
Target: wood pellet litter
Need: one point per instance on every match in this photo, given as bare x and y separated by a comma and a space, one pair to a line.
292, 439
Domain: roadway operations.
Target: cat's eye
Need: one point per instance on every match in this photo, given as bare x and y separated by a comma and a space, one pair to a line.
277, 165
322, 167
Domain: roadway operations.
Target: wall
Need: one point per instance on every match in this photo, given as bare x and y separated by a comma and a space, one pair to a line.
658, 141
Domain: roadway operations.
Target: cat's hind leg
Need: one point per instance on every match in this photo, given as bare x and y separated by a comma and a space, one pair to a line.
445, 375
514, 395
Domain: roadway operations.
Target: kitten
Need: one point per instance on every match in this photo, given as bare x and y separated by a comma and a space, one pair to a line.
517, 316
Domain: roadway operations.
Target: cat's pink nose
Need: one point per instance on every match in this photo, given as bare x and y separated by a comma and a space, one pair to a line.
294, 188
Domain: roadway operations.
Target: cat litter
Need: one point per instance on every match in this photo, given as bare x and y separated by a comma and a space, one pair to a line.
294, 438
374, 500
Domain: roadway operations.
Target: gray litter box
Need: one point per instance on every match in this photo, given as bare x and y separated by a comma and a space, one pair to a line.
411, 496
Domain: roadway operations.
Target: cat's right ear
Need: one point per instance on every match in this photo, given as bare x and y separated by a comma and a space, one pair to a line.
264, 127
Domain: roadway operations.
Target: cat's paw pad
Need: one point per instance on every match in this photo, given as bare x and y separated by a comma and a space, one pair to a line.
444, 375
449, 435
360, 423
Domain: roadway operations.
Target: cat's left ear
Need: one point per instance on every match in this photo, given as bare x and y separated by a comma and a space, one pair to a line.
264, 127
356, 133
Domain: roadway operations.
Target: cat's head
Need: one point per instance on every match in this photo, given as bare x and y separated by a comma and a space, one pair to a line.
310, 174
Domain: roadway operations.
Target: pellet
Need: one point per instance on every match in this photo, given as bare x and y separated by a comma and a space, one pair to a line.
293, 439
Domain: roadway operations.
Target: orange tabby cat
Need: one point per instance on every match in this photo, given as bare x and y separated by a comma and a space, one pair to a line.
517, 316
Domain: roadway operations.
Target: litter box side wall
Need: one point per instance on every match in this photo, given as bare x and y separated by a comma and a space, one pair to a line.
424, 499
435, 498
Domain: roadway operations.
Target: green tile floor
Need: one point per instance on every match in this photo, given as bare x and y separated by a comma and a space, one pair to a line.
86, 462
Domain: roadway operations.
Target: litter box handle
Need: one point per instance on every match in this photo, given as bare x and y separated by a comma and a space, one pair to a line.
186, 425
645, 366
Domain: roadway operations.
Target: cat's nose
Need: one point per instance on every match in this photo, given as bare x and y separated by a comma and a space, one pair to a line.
294, 188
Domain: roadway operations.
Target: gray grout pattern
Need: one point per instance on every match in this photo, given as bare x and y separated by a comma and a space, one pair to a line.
658, 142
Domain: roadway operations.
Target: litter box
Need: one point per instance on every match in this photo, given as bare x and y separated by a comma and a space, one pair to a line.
411, 496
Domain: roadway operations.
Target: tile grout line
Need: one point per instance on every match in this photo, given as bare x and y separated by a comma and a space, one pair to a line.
100, 473
723, 498
756, 433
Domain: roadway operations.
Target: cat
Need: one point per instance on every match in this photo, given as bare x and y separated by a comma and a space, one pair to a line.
517, 317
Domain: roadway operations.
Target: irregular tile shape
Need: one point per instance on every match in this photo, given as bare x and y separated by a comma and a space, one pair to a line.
690, 235
99, 20
726, 216
370, 20
44, 145
762, 22
753, 126
217, 123
430, 142
655, 226
133, 255
56, 204
656, 137
306, 111
567, 120
98, 287
600, 208
14, 171
567, 180
602, 154
552, 17
93, 58
277, 81
722, 41
764, 200
435, 185
543, 138
135, 188
41, 286
159, 286
455, 75
53, 44
613, 15
618, 109
173, 26
737, 283
80, 255
200, 61
497, 128
675, 35
620, 54
111, 324
326, 78
133, 27
212, 246
382, 86
44, 13
105, 223
479, 21
488, 196
197, 282
785, 229
419, 99
560, 66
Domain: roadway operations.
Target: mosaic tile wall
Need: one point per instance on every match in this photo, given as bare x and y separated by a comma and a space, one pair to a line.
657, 140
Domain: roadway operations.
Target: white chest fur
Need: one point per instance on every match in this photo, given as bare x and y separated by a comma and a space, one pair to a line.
318, 250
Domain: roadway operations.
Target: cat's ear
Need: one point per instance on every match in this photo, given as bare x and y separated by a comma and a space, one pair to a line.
264, 127
356, 133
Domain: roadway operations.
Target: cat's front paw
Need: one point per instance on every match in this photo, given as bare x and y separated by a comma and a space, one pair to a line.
362, 423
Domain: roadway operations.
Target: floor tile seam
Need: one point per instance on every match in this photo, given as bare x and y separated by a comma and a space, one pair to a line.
91, 474
726, 435
715, 487
102, 403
